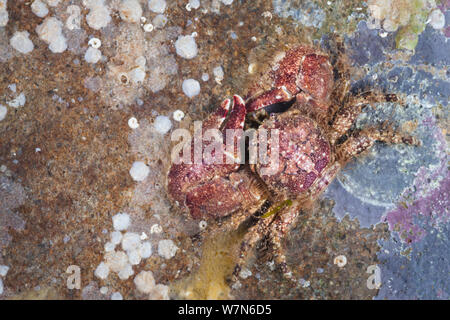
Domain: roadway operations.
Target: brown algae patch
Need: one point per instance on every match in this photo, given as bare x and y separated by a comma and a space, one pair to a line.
217, 263
44, 293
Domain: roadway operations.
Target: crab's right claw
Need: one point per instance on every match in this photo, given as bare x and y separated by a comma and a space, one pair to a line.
277, 95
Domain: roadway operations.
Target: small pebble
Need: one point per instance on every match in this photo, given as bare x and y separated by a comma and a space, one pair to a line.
137, 75
194, 4
218, 73
162, 124
191, 87
130, 241
159, 21
19, 101
99, 14
126, 272
186, 47
21, 42
4, 271
135, 257
39, 8
12, 87
205, 77
4, 18
304, 283
116, 237
116, 296
121, 221
157, 6
252, 68
50, 31
167, 249
139, 171
92, 55
437, 19
130, 11
146, 250
116, 260
3, 112
109, 246
245, 273
102, 271
145, 282
143, 236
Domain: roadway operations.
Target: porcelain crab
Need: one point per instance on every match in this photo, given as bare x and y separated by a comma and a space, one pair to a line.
315, 141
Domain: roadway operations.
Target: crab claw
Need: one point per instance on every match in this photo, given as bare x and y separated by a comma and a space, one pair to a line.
215, 120
316, 77
273, 96
206, 188
302, 70
237, 115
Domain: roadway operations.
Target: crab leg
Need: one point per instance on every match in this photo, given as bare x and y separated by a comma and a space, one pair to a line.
251, 238
345, 117
363, 140
281, 225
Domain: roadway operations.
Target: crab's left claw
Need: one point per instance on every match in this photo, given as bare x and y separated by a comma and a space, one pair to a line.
206, 188
237, 116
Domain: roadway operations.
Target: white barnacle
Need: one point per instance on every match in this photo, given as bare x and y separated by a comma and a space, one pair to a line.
202, 225
156, 228
340, 261
133, 123
123, 78
178, 115
267, 14
148, 27
95, 43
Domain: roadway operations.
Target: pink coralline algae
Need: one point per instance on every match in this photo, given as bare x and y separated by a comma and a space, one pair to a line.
435, 205
444, 6
427, 198
447, 32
